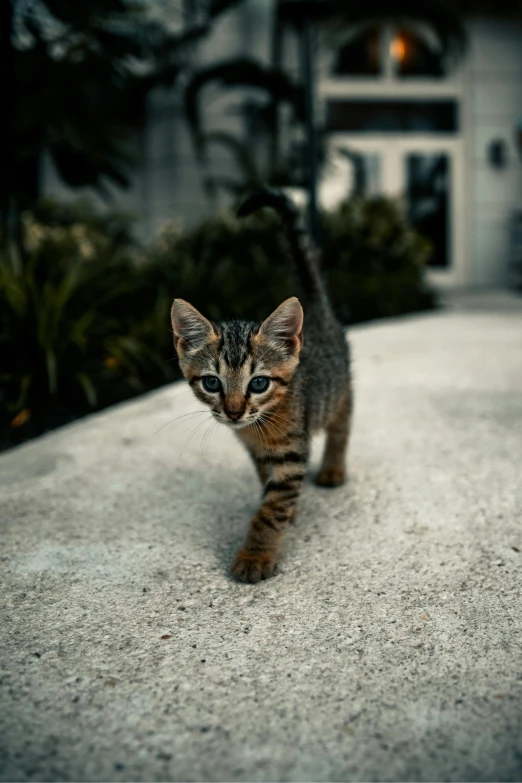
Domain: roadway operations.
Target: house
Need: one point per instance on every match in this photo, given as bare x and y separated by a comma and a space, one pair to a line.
398, 121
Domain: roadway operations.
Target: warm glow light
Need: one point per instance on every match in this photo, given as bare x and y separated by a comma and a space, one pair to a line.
398, 49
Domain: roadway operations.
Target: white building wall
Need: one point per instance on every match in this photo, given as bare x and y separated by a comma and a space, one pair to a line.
173, 181
129, 200
169, 183
494, 104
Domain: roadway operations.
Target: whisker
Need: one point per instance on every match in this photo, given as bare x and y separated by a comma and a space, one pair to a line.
275, 415
273, 433
208, 435
272, 426
203, 439
260, 430
255, 425
187, 390
196, 428
176, 418
259, 434
277, 420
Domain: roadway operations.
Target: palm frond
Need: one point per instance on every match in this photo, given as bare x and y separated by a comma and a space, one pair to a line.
240, 151
240, 72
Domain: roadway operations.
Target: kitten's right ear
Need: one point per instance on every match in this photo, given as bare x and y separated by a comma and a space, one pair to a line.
191, 329
285, 325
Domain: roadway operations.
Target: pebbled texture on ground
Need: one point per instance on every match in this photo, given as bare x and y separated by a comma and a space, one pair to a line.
388, 646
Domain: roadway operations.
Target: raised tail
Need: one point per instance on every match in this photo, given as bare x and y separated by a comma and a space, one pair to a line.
305, 258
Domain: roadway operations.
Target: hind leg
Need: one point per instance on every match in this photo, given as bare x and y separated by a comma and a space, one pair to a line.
333, 469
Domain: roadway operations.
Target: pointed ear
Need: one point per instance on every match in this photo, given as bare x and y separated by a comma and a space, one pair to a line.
285, 325
191, 329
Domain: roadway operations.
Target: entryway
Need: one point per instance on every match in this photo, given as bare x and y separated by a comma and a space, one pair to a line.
425, 172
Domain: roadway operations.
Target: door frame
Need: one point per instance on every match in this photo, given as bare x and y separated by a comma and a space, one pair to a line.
392, 149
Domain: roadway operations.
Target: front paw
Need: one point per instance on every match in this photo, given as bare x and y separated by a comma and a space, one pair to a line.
251, 566
330, 477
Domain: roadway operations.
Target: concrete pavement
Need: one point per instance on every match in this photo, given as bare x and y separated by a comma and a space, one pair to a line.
389, 646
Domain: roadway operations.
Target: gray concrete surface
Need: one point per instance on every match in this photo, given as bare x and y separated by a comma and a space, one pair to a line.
389, 646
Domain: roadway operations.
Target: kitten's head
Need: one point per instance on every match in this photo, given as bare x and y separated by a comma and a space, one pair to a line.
241, 370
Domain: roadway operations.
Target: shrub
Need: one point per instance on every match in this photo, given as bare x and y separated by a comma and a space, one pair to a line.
69, 341
84, 310
374, 261
226, 267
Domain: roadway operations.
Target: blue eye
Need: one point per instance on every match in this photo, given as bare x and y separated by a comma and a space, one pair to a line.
259, 384
211, 383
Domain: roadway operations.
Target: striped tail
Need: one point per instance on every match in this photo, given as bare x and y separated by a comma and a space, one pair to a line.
304, 257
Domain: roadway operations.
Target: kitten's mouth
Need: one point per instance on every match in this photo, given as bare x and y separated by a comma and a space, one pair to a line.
237, 425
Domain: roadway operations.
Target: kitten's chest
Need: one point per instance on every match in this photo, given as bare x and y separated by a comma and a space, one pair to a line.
263, 438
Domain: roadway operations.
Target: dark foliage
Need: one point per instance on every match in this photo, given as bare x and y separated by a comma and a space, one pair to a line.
74, 77
374, 261
75, 332
84, 311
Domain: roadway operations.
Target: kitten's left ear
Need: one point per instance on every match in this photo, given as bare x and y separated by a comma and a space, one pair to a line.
285, 325
191, 329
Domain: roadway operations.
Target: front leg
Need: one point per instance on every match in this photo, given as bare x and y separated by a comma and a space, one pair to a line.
258, 558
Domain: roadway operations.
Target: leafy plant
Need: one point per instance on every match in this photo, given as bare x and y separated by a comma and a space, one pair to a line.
74, 78
70, 339
84, 310
241, 72
374, 260
374, 263
275, 87
227, 267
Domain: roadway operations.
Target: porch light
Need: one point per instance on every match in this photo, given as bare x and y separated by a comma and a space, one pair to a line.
398, 49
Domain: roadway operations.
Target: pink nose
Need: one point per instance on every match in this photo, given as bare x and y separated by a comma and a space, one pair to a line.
234, 415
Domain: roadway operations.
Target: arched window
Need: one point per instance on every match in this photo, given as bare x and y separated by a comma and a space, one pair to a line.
361, 56
414, 55
399, 53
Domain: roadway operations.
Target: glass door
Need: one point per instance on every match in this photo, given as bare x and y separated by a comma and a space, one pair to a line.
425, 173
427, 194
432, 184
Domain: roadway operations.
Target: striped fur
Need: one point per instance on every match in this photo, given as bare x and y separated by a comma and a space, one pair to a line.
305, 358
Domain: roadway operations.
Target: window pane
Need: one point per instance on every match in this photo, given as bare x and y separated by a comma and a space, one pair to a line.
349, 173
414, 56
365, 175
428, 201
361, 56
389, 116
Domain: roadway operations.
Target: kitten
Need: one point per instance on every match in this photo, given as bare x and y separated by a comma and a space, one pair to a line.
274, 384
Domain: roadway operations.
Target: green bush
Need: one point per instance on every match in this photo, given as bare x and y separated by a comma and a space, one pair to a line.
226, 267
70, 341
374, 261
84, 310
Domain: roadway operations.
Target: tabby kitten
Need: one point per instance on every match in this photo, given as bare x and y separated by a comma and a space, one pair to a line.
274, 384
